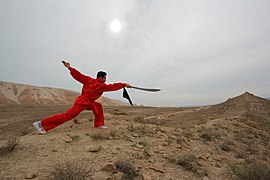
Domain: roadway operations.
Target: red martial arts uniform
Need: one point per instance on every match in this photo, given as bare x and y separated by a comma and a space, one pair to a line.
91, 91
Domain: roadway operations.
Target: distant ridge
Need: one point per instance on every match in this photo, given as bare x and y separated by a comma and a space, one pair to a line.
246, 108
22, 94
243, 103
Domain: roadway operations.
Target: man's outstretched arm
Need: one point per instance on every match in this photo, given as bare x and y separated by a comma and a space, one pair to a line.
75, 73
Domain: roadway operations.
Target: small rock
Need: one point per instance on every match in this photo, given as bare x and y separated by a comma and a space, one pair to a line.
109, 168
31, 176
100, 176
146, 177
94, 149
68, 140
118, 176
158, 167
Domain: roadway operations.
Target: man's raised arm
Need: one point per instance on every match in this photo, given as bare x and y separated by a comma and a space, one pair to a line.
75, 73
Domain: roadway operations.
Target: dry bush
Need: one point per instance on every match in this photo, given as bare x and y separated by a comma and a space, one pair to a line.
140, 129
139, 119
253, 171
75, 138
187, 133
188, 162
105, 136
127, 168
226, 146
76, 121
117, 112
9, 145
68, 171
241, 137
24, 130
251, 148
265, 154
240, 155
208, 134
99, 136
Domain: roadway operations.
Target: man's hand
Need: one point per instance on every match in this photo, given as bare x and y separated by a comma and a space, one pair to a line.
128, 85
66, 64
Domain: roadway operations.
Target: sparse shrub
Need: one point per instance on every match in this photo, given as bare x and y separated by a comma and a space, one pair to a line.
189, 162
251, 148
140, 129
117, 112
9, 145
127, 168
187, 133
253, 171
75, 138
241, 137
266, 154
68, 171
24, 130
76, 121
226, 146
105, 136
99, 136
139, 119
169, 140
179, 140
113, 134
209, 135
240, 155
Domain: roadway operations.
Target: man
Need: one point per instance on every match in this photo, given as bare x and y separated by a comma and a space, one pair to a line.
91, 91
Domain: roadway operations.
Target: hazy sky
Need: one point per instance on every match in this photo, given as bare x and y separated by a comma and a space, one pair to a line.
197, 52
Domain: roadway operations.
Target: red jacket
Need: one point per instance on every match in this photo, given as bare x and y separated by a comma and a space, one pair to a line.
92, 88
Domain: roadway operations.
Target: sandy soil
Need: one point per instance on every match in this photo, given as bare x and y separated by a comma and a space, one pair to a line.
159, 143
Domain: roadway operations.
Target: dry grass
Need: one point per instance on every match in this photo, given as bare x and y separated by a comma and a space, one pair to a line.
208, 134
76, 121
139, 119
24, 130
127, 168
105, 136
68, 171
226, 146
189, 162
187, 133
140, 129
253, 171
9, 146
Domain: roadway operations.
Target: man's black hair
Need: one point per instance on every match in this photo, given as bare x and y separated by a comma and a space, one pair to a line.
101, 74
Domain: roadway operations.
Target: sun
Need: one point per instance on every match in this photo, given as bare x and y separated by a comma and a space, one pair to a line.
116, 26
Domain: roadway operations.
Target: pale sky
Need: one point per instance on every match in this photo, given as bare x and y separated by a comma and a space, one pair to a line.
197, 52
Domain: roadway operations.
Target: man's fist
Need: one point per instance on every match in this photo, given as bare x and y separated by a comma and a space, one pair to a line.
66, 64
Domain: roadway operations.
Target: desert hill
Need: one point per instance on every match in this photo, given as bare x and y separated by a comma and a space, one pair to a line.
227, 141
21, 94
242, 106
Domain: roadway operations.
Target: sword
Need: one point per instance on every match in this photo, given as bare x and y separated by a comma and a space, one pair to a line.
146, 89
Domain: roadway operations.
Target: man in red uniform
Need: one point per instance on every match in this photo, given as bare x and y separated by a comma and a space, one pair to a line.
91, 91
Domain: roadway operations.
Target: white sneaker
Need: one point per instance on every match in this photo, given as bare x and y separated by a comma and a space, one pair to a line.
39, 128
102, 127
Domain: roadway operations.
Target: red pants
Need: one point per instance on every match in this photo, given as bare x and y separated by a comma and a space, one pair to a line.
54, 121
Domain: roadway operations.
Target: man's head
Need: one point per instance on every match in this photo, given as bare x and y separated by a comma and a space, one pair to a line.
101, 75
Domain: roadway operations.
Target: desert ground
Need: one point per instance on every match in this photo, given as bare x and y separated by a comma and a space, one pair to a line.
223, 141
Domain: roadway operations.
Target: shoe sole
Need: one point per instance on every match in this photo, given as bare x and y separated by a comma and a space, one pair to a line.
35, 124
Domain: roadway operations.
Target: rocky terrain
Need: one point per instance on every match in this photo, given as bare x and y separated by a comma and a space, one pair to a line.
225, 141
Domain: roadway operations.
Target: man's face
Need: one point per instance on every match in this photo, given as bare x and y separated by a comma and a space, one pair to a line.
102, 79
